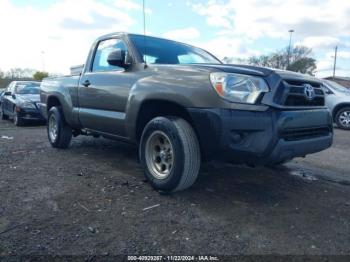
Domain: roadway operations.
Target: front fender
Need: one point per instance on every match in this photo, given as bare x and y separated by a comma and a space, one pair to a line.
151, 88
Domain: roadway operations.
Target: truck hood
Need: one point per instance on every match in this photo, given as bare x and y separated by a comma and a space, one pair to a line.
256, 71
239, 69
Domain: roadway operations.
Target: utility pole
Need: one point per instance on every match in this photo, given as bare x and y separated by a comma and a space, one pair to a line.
290, 46
43, 60
335, 61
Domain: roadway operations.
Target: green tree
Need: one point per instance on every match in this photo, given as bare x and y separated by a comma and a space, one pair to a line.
305, 65
39, 75
300, 60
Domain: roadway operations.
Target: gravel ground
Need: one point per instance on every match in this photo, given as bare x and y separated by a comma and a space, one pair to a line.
92, 199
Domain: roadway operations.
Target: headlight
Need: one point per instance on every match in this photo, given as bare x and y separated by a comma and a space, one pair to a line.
238, 88
26, 105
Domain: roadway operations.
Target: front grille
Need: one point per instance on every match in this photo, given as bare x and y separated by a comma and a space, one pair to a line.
292, 93
305, 133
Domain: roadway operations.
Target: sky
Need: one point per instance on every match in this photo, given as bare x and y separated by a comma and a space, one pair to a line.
53, 35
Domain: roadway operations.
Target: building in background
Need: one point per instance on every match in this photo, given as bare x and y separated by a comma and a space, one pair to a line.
344, 81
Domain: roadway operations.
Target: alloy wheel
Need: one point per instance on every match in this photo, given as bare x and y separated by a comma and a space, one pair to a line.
159, 155
344, 118
53, 128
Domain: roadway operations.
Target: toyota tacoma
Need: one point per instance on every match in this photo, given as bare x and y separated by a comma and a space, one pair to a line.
181, 105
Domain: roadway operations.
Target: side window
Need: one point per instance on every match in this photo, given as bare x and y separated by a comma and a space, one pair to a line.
190, 58
10, 88
103, 50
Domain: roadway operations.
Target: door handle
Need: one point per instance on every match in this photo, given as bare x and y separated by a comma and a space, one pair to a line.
86, 83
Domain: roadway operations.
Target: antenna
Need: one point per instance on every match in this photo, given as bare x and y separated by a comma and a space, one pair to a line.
144, 31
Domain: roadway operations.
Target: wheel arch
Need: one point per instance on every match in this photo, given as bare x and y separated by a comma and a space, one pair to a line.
337, 108
152, 108
52, 101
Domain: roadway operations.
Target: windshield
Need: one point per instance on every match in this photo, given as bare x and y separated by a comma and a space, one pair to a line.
162, 51
28, 88
337, 87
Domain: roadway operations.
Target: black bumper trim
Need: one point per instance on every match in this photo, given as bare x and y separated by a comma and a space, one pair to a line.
256, 138
30, 114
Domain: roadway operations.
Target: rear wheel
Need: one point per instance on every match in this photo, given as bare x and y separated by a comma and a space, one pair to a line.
170, 154
58, 131
342, 118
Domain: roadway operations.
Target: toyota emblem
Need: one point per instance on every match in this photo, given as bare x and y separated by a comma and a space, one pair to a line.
309, 91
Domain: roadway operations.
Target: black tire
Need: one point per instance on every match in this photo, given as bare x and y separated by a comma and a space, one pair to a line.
64, 131
3, 115
16, 119
185, 153
338, 116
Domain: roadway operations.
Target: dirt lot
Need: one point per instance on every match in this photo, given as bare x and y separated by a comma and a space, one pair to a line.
90, 200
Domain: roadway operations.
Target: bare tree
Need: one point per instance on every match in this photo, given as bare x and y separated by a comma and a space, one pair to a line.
300, 60
20, 73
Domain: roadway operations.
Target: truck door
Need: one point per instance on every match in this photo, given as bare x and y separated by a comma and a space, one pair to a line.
104, 91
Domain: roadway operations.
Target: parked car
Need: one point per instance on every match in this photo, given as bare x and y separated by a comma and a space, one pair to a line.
338, 101
1, 95
20, 102
180, 105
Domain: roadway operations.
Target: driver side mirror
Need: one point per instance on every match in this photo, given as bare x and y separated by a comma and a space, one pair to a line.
117, 58
327, 91
7, 93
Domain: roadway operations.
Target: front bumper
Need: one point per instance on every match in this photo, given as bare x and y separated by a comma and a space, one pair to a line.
261, 138
30, 114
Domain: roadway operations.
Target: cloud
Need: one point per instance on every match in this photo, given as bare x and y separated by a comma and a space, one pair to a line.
273, 18
320, 42
130, 5
183, 34
227, 47
98, 21
127, 5
325, 65
64, 30
216, 14
318, 24
343, 54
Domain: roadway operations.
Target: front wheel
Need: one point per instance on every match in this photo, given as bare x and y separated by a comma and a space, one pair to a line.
17, 120
342, 118
170, 154
58, 131
3, 115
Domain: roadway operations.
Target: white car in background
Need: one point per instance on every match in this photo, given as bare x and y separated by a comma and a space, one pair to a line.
338, 101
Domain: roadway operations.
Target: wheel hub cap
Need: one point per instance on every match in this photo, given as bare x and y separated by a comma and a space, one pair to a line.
53, 129
159, 155
345, 118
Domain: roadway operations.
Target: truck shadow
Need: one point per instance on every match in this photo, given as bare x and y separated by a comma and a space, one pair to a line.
217, 182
